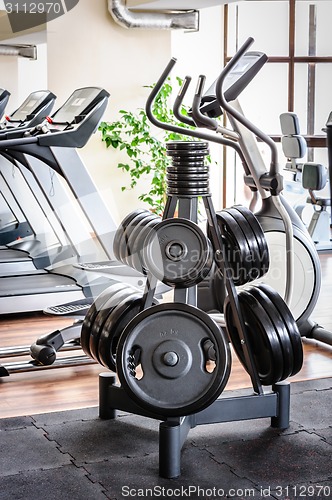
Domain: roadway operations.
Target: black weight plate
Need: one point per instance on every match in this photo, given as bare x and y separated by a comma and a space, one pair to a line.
167, 341
191, 169
177, 252
259, 235
92, 312
263, 340
191, 176
128, 229
125, 311
293, 331
122, 240
219, 289
138, 245
236, 246
188, 183
116, 322
189, 192
280, 327
186, 145
113, 300
254, 256
134, 233
120, 230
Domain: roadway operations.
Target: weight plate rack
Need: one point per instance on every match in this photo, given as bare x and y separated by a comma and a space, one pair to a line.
171, 359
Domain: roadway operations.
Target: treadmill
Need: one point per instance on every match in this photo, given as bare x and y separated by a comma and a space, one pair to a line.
38, 236
54, 146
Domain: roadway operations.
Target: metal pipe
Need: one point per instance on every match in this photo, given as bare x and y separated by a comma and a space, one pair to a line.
185, 19
28, 51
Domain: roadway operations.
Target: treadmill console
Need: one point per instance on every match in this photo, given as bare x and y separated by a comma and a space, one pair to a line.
78, 105
33, 110
235, 82
73, 124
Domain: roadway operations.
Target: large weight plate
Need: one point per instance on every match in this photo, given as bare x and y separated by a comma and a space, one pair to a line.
93, 311
167, 342
263, 338
293, 331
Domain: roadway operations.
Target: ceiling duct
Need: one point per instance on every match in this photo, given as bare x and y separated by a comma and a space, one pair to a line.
29, 51
185, 19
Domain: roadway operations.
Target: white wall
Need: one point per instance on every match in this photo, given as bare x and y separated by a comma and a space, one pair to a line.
86, 47
202, 53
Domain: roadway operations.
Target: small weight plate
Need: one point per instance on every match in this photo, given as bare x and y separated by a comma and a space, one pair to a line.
126, 310
293, 331
280, 327
168, 342
133, 235
136, 258
259, 235
254, 257
101, 316
177, 252
127, 232
120, 230
93, 311
113, 327
262, 337
194, 168
236, 247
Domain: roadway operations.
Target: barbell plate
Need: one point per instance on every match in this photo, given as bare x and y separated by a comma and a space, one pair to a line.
259, 235
114, 325
167, 342
280, 327
254, 256
100, 318
120, 230
92, 312
177, 252
124, 250
263, 340
293, 331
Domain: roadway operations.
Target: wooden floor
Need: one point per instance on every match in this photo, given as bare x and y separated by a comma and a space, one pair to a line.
77, 387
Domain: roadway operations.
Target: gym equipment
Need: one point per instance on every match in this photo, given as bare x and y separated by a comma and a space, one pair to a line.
313, 177
70, 127
172, 359
292, 251
31, 216
329, 149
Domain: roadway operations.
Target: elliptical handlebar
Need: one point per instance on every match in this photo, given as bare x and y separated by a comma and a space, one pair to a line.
178, 103
181, 130
274, 166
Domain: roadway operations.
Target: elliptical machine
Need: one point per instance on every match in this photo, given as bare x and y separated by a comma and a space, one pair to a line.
292, 251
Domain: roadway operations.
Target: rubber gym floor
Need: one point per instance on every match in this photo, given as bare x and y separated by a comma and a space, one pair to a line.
75, 455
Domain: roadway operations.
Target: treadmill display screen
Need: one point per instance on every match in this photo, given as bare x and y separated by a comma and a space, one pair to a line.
75, 105
29, 106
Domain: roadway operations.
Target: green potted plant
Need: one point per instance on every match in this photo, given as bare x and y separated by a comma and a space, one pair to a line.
145, 153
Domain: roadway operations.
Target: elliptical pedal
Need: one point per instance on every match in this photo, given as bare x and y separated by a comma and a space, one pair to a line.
77, 308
